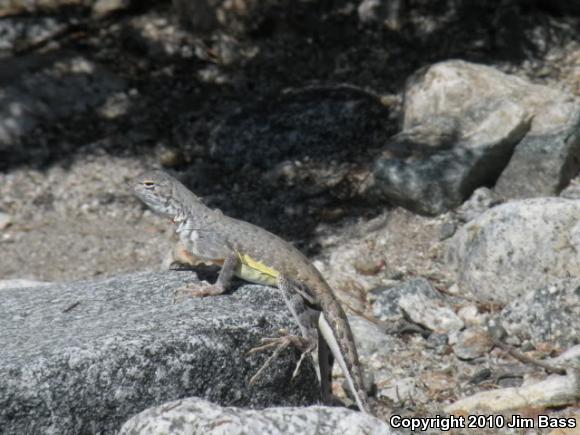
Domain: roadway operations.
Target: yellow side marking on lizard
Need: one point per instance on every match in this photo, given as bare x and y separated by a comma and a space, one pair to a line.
256, 272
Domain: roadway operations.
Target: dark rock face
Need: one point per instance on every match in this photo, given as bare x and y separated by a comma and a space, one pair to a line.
553, 158
83, 357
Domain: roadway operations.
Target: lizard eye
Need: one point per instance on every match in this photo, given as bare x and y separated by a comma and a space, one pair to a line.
149, 184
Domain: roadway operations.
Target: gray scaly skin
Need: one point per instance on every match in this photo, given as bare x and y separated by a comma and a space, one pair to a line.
256, 255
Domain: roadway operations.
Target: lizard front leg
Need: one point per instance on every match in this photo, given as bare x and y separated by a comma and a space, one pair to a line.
220, 286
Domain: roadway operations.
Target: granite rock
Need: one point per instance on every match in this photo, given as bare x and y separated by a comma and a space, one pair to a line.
194, 416
466, 126
458, 134
82, 357
516, 248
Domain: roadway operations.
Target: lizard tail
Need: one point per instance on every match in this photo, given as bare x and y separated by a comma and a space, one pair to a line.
351, 371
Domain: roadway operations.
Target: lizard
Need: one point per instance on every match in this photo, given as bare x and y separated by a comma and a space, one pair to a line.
258, 256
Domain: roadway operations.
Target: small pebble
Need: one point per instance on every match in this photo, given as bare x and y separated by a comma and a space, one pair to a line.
472, 343
366, 266
447, 230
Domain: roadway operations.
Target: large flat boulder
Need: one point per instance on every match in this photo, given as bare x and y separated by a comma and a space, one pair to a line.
83, 357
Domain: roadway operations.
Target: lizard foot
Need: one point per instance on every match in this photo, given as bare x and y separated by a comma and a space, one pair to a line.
280, 343
198, 291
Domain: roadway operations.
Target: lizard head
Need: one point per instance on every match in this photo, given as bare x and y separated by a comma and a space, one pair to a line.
163, 194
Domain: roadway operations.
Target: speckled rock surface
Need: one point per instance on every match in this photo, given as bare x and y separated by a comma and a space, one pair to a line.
516, 248
83, 357
549, 314
198, 417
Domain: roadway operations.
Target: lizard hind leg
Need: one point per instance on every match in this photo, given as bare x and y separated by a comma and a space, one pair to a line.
306, 342
279, 344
